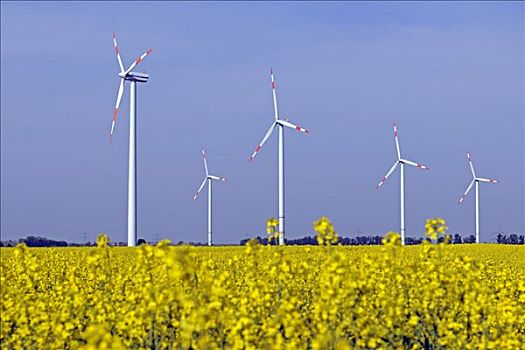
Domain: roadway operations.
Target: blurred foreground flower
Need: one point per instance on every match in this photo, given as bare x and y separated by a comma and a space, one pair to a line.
435, 227
326, 234
391, 239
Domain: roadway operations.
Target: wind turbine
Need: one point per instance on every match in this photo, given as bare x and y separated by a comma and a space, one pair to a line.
133, 78
401, 162
280, 123
476, 180
208, 178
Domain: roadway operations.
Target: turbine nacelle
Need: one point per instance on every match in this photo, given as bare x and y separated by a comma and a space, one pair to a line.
218, 178
133, 76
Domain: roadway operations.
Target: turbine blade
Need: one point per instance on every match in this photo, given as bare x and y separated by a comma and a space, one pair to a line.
218, 178
276, 114
292, 126
115, 111
471, 165
200, 188
397, 142
138, 60
268, 133
462, 198
117, 51
205, 162
383, 179
482, 179
414, 164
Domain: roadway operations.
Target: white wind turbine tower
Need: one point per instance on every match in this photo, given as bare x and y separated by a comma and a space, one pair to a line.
133, 78
280, 123
476, 180
208, 178
401, 163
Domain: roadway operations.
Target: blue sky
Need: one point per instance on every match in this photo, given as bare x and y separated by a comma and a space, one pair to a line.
450, 74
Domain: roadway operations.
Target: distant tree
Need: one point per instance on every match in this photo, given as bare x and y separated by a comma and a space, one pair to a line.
513, 239
413, 240
367, 240
376, 240
258, 239
470, 239
32, 241
141, 241
457, 239
307, 240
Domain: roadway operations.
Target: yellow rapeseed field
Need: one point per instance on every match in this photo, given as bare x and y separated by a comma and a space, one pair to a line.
432, 296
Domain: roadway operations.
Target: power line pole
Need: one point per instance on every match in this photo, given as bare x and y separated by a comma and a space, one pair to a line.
85, 236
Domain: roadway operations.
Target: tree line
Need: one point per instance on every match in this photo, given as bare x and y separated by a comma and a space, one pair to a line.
36, 241
376, 240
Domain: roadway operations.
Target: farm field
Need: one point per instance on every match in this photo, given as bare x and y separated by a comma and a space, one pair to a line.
261, 297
